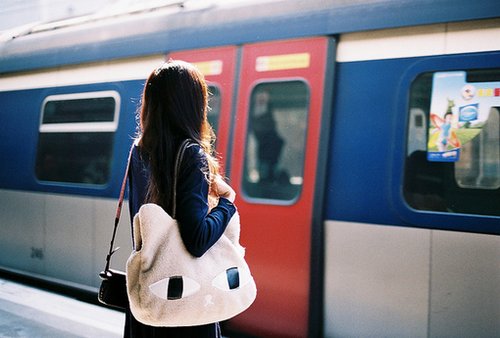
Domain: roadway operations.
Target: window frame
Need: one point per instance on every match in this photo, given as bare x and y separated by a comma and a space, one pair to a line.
79, 127
267, 81
474, 223
75, 127
452, 184
219, 91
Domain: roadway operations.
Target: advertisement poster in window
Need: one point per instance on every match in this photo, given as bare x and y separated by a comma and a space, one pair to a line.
458, 113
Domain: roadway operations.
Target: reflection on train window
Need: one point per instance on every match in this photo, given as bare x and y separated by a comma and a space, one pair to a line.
453, 149
479, 166
274, 155
214, 107
75, 143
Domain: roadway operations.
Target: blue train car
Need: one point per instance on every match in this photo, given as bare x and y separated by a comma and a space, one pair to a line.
376, 211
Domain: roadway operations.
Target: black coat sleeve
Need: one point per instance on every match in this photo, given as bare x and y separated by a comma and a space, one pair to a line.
199, 228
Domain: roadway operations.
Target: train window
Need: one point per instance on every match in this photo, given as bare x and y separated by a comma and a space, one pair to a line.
274, 154
453, 149
214, 107
75, 141
79, 110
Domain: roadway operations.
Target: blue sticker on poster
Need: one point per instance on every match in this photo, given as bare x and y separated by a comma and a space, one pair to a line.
468, 113
458, 112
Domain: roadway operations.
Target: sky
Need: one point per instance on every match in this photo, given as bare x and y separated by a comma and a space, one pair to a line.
15, 13
20, 12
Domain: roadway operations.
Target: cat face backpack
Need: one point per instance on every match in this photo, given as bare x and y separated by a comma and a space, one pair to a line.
167, 286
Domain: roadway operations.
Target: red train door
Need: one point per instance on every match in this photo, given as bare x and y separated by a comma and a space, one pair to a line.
218, 65
273, 169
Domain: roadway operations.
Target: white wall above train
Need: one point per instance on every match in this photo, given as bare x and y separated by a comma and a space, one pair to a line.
101, 72
447, 38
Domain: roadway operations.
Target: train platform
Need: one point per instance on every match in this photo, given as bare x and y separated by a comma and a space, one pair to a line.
26, 311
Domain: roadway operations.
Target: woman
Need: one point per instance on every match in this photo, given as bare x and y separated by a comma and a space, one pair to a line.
174, 108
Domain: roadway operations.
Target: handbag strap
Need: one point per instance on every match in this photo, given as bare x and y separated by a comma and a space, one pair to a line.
118, 214
178, 161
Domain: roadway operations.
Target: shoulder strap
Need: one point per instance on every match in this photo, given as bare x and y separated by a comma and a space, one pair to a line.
178, 160
118, 211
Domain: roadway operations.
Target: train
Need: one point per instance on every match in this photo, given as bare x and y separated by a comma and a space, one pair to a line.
361, 137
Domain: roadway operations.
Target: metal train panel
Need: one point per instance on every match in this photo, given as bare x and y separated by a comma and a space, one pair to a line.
393, 281
368, 170
376, 280
427, 40
107, 71
383, 277
362, 140
188, 26
61, 238
63, 230
276, 196
30, 143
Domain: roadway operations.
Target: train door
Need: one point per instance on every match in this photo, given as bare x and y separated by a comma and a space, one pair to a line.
218, 65
273, 170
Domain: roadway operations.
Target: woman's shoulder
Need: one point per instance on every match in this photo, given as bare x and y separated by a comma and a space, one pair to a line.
194, 155
137, 154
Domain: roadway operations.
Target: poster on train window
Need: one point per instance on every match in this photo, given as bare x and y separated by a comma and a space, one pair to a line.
458, 113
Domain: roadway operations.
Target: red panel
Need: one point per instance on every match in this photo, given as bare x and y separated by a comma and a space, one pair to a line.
278, 237
218, 66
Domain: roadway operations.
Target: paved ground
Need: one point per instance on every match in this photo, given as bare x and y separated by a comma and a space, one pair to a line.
30, 312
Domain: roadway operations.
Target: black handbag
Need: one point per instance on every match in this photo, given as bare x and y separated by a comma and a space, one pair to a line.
113, 289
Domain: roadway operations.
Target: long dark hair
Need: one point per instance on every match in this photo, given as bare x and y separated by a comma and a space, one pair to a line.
174, 108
